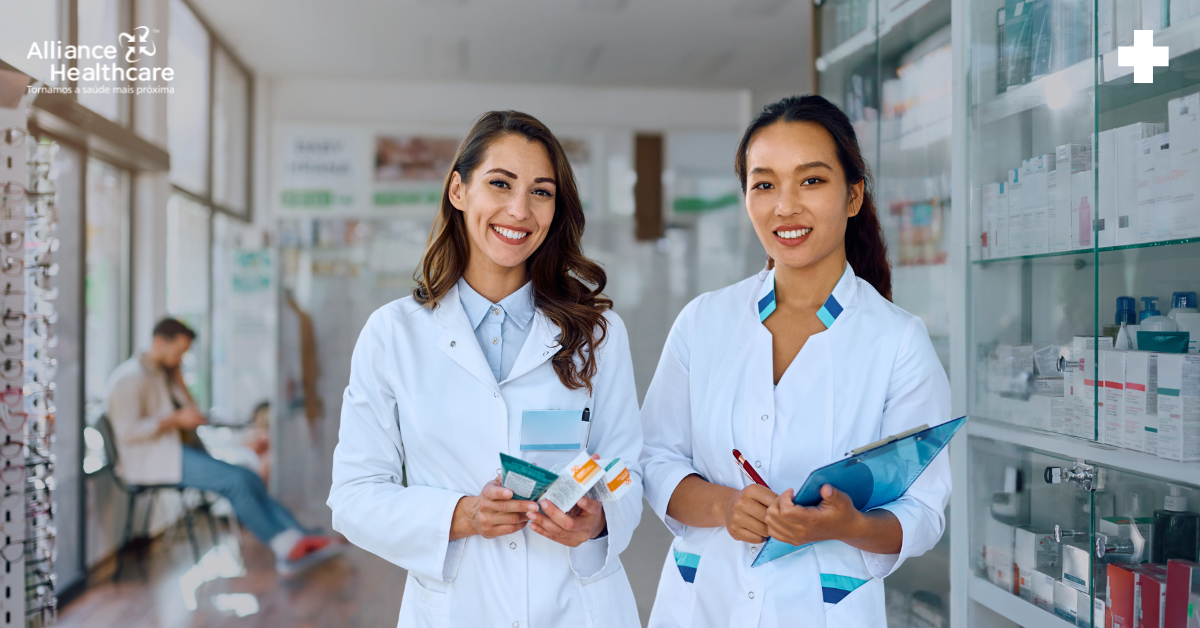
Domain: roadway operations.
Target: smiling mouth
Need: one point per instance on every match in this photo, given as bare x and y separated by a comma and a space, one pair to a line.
509, 234
793, 234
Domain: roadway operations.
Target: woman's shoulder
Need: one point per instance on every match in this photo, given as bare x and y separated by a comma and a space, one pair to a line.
402, 313
717, 306
882, 311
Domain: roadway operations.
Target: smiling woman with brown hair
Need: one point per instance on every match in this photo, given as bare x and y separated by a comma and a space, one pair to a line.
507, 319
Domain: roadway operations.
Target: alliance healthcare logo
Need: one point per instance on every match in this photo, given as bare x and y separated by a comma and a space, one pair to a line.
137, 46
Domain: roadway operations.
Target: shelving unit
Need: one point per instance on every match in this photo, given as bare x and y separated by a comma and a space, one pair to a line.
1088, 451
1012, 607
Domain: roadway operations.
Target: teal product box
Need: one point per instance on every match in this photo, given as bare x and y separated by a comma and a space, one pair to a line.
1017, 42
525, 479
1163, 341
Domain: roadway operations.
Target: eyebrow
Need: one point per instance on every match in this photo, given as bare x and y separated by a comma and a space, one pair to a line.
514, 176
811, 164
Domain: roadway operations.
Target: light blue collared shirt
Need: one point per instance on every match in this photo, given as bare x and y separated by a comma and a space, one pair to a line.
501, 328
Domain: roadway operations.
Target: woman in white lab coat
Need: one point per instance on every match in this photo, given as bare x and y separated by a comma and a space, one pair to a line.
794, 367
507, 318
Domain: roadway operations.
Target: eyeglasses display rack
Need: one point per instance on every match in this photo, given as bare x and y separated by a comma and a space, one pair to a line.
27, 368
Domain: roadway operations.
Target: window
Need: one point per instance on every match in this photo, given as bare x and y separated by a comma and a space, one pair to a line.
100, 24
188, 106
106, 284
231, 132
189, 234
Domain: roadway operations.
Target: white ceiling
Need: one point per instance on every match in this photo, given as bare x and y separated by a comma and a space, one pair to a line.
741, 44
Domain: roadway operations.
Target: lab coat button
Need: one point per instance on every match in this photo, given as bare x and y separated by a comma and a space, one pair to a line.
496, 395
497, 471
512, 545
754, 550
452, 343
516, 624
758, 463
495, 340
752, 595
764, 417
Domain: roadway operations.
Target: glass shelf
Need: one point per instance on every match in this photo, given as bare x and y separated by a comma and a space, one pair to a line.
1085, 252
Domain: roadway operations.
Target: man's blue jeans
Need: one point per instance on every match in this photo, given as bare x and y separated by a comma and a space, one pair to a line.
264, 516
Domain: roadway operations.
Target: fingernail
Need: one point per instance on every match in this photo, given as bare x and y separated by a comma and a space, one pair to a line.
545, 504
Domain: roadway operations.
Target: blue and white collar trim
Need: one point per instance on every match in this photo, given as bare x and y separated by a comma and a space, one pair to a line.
828, 312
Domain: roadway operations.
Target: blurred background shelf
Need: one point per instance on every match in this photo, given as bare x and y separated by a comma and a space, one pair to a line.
1158, 250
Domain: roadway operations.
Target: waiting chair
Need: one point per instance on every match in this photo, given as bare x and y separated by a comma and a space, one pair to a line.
134, 491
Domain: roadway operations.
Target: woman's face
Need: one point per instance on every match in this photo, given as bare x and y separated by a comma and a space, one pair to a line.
508, 204
796, 193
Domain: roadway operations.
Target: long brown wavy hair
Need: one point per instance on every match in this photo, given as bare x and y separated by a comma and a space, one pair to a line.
567, 286
866, 250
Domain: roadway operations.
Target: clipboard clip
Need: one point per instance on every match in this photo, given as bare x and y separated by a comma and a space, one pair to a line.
889, 439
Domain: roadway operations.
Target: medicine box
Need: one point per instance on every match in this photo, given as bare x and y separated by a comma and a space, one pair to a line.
1000, 222
1183, 578
1035, 551
1043, 590
1076, 567
1183, 116
1163, 213
998, 555
1146, 189
1120, 595
1037, 201
1016, 212
1113, 386
1179, 407
1065, 600
1106, 192
1152, 594
1069, 160
1141, 402
1128, 146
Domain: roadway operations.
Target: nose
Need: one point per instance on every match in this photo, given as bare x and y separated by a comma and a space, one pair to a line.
518, 209
790, 202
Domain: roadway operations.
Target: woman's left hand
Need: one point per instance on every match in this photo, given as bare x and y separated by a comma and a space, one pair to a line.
835, 518
585, 521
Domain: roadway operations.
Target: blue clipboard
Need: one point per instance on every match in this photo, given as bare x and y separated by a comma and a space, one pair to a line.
874, 477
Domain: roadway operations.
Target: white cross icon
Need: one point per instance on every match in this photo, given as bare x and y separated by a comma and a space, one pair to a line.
1143, 55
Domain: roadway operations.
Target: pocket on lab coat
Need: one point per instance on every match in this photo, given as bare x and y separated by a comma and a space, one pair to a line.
610, 601
423, 607
850, 592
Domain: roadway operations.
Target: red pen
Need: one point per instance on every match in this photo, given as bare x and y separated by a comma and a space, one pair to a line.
748, 469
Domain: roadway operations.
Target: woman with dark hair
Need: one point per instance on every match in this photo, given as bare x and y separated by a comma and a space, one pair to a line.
793, 367
507, 320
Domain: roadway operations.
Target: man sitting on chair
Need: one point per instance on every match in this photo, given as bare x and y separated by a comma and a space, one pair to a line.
155, 420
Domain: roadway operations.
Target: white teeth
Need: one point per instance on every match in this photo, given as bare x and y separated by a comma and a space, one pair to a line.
793, 234
509, 233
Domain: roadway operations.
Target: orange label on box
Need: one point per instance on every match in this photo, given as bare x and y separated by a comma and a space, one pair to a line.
585, 471
621, 479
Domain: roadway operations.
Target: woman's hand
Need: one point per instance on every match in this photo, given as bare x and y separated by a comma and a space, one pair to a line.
745, 513
585, 521
490, 514
835, 518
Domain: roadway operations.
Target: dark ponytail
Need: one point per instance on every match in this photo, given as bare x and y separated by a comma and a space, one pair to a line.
866, 250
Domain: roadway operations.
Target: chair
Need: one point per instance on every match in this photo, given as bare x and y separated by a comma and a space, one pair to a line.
134, 491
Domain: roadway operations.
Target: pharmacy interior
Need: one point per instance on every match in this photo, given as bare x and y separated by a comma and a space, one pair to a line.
1041, 205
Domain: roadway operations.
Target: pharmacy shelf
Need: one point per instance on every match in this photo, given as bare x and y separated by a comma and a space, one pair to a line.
1090, 451
1155, 248
1012, 607
899, 15
1180, 39
1062, 84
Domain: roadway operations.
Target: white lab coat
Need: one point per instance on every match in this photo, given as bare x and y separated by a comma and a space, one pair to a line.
422, 397
871, 374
